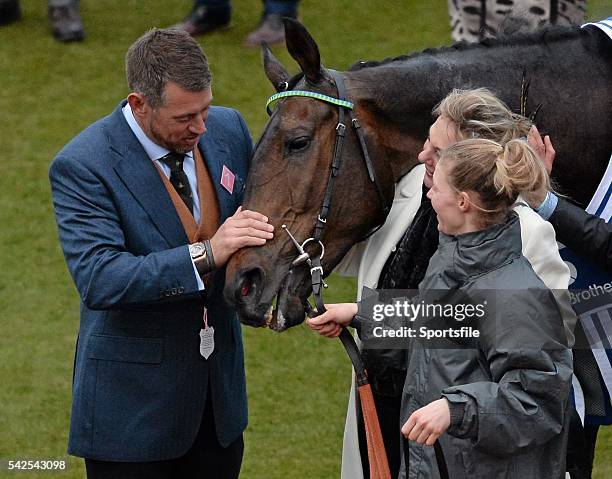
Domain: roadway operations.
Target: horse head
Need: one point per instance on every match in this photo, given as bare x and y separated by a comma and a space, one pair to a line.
287, 182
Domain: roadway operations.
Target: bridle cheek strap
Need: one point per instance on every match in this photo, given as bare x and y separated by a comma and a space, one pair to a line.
337, 158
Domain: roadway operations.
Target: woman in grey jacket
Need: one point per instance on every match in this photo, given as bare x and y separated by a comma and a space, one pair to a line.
499, 406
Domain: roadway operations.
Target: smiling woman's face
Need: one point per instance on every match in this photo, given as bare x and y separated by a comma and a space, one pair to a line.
446, 200
442, 134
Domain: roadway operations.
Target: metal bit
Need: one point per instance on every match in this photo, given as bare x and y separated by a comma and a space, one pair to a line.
303, 256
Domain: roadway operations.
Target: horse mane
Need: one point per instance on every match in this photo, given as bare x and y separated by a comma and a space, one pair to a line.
546, 35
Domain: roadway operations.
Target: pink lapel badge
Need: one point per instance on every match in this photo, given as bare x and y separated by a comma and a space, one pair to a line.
227, 179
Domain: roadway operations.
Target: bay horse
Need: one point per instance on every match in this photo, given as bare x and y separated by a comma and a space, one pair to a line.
570, 75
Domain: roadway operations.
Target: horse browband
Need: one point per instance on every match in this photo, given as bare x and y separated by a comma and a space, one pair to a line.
308, 94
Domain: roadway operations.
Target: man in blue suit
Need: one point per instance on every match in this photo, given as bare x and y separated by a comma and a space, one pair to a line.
147, 207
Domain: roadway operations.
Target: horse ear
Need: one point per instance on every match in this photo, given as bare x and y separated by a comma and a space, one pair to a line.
303, 49
275, 71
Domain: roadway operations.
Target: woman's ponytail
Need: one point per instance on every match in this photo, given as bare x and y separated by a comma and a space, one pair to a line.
519, 170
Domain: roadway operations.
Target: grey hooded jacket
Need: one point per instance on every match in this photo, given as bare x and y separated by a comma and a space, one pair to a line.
508, 391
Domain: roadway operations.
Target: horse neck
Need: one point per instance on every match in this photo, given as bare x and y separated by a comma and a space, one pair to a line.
394, 99
398, 115
396, 137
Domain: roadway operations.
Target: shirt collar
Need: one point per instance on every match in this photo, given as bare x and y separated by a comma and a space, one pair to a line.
153, 150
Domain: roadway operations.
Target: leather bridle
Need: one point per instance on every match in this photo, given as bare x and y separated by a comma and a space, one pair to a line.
345, 108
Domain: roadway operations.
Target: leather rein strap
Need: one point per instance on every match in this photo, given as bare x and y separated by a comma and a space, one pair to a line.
379, 467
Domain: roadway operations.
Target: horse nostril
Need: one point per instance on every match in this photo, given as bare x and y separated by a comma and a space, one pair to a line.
249, 284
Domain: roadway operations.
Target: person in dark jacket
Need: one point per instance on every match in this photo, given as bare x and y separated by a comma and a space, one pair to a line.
499, 408
586, 234
589, 236
397, 257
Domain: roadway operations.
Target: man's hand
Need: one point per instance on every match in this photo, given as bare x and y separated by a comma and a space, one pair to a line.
545, 151
330, 323
244, 228
427, 424
543, 148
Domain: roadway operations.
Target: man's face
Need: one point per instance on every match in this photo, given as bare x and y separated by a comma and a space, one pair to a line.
180, 122
442, 134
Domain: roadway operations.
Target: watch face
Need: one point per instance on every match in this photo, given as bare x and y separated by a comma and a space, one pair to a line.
196, 250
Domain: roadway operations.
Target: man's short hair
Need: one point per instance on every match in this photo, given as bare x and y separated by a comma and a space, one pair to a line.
165, 55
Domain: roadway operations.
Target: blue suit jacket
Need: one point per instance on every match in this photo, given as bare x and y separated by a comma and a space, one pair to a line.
140, 384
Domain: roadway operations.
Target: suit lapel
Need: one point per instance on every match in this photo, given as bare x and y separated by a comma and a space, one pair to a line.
136, 170
215, 156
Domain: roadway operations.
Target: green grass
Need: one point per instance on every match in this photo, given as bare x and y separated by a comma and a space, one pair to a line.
297, 382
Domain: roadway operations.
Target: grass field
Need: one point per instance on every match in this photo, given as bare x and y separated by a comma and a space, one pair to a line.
297, 382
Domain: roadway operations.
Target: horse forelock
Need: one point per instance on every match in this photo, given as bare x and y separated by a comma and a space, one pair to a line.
292, 83
294, 80
299, 81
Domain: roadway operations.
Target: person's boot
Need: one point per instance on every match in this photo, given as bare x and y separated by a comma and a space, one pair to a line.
271, 30
204, 19
9, 11
66, 23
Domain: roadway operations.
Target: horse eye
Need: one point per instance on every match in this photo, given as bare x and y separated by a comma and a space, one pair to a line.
298, 144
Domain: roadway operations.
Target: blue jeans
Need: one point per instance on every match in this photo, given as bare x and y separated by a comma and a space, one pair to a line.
282, 7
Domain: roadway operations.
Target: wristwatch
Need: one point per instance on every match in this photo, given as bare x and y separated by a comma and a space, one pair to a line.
197, 250
201, 254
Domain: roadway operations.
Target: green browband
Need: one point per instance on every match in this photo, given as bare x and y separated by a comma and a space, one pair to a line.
308, 94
